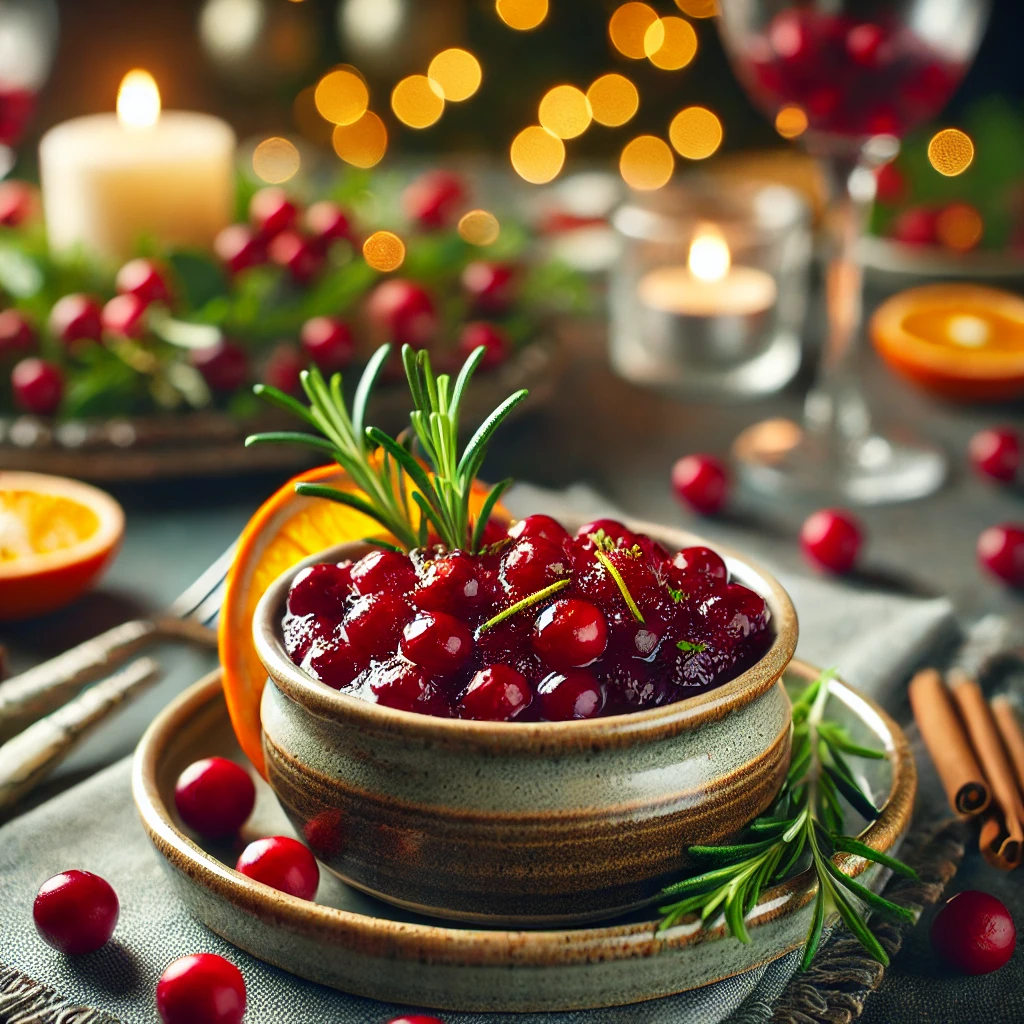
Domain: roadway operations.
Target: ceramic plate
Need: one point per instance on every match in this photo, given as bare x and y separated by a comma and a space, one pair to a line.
353, 942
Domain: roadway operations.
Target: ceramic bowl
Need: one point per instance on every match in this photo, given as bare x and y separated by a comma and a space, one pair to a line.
531, 824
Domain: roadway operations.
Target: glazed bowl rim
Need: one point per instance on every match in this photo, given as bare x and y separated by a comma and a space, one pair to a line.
687, 714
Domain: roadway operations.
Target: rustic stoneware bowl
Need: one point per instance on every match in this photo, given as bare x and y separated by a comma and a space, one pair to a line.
524, 824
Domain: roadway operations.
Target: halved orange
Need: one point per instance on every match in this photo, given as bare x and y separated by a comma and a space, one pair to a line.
286, 529
56, 538
961, 341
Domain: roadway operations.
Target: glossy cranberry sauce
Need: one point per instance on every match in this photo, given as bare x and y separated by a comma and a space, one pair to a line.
622, 625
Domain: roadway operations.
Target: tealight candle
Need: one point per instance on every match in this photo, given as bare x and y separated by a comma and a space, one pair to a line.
108, 181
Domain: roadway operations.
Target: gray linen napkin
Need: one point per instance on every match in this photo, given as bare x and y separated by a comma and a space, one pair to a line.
873, 638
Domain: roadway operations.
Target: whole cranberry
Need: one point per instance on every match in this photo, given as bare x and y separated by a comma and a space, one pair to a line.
491, 287
201, 989
375, 622
397, 684
19, 203
973, 933
282, 863
327, 222
570, 633
17, 335
450, 583
271, 212
416, 1018
916, 226
301, 631
738, 613
564, 696
890, 184
76, 318
493, 339
532, 564
300, 256
383, 570
283, 369
434, 199
239, 248
610, 529
402, 312
437, 642
38, 386
224, 366
321, 590
76, 912
328, 342
125, 316
540, 526
831, 539
145, 279
702, 482
1001, 552
699, 559
496, 694
214, 797
994, 453
331, 657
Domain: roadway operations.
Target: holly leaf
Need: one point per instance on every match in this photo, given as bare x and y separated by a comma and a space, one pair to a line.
200, 278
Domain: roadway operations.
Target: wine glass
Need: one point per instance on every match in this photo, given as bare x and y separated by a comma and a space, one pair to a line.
860, 74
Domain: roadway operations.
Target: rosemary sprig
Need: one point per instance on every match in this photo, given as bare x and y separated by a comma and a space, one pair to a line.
802, 829
527, 602
382, 467
621, 584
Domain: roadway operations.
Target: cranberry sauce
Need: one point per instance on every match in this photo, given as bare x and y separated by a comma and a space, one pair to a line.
621, 625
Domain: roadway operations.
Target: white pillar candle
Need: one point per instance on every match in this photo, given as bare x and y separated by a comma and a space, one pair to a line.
109, 181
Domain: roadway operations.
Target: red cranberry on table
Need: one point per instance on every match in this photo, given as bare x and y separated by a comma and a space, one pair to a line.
702, 482
38, 386
569, 634
239, 247
282, 863
145, 279
300, 256
283, 368
564, 696
214, 797
496, 694
434, 199
201, 989
973, 933
224, 366
327, 222
76, 318
76, 912
831, 539
494, 340
1001, 552
17, 335
403, 312
125, 316
995, 453
19, 202
328, 342
437, 642
491, 287
271, 212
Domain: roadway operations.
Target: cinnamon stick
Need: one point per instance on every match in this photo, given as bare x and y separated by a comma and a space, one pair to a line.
990, 841
988, 745
1008, 724
948, 744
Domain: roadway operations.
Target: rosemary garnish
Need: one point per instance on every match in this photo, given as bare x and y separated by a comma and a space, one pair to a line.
526, 602
802, 829
621, 584
382, 466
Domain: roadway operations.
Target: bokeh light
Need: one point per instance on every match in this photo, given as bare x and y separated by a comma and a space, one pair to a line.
698, 8
565, 111
951, 152
613, 99
341, 96
310, 124
522, 14
276, 160
791, 121
417, 101
628, 26
384, 251
959, 227
362, 144
479, 227
457, 73
646, 163
537, 155
695, 133
670, 43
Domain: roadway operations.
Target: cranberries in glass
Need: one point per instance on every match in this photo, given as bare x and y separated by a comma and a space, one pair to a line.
76, 912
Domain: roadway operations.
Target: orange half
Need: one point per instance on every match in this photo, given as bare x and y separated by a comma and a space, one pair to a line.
961, 341
56, 538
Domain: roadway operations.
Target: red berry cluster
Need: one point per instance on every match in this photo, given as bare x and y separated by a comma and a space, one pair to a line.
621, 625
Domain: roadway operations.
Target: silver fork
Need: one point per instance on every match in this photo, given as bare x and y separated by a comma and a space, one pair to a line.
27, 697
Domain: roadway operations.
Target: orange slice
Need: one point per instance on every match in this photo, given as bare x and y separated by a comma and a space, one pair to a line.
286, 529
56, 538
962, 341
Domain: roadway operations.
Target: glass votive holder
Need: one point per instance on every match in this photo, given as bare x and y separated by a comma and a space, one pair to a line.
709, 294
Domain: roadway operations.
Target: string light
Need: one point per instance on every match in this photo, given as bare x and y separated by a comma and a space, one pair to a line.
384, 251
646, 163
695, 133
951, 152
565, 111
479, 227
613, 99
417, 101
628, 27
537, 155
457, 73
276, 160
790, 122
959, 227
362, 144
670, 43
522, 14
341, 96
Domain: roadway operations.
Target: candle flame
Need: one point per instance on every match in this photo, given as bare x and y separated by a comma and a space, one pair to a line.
138, 100
709, 258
